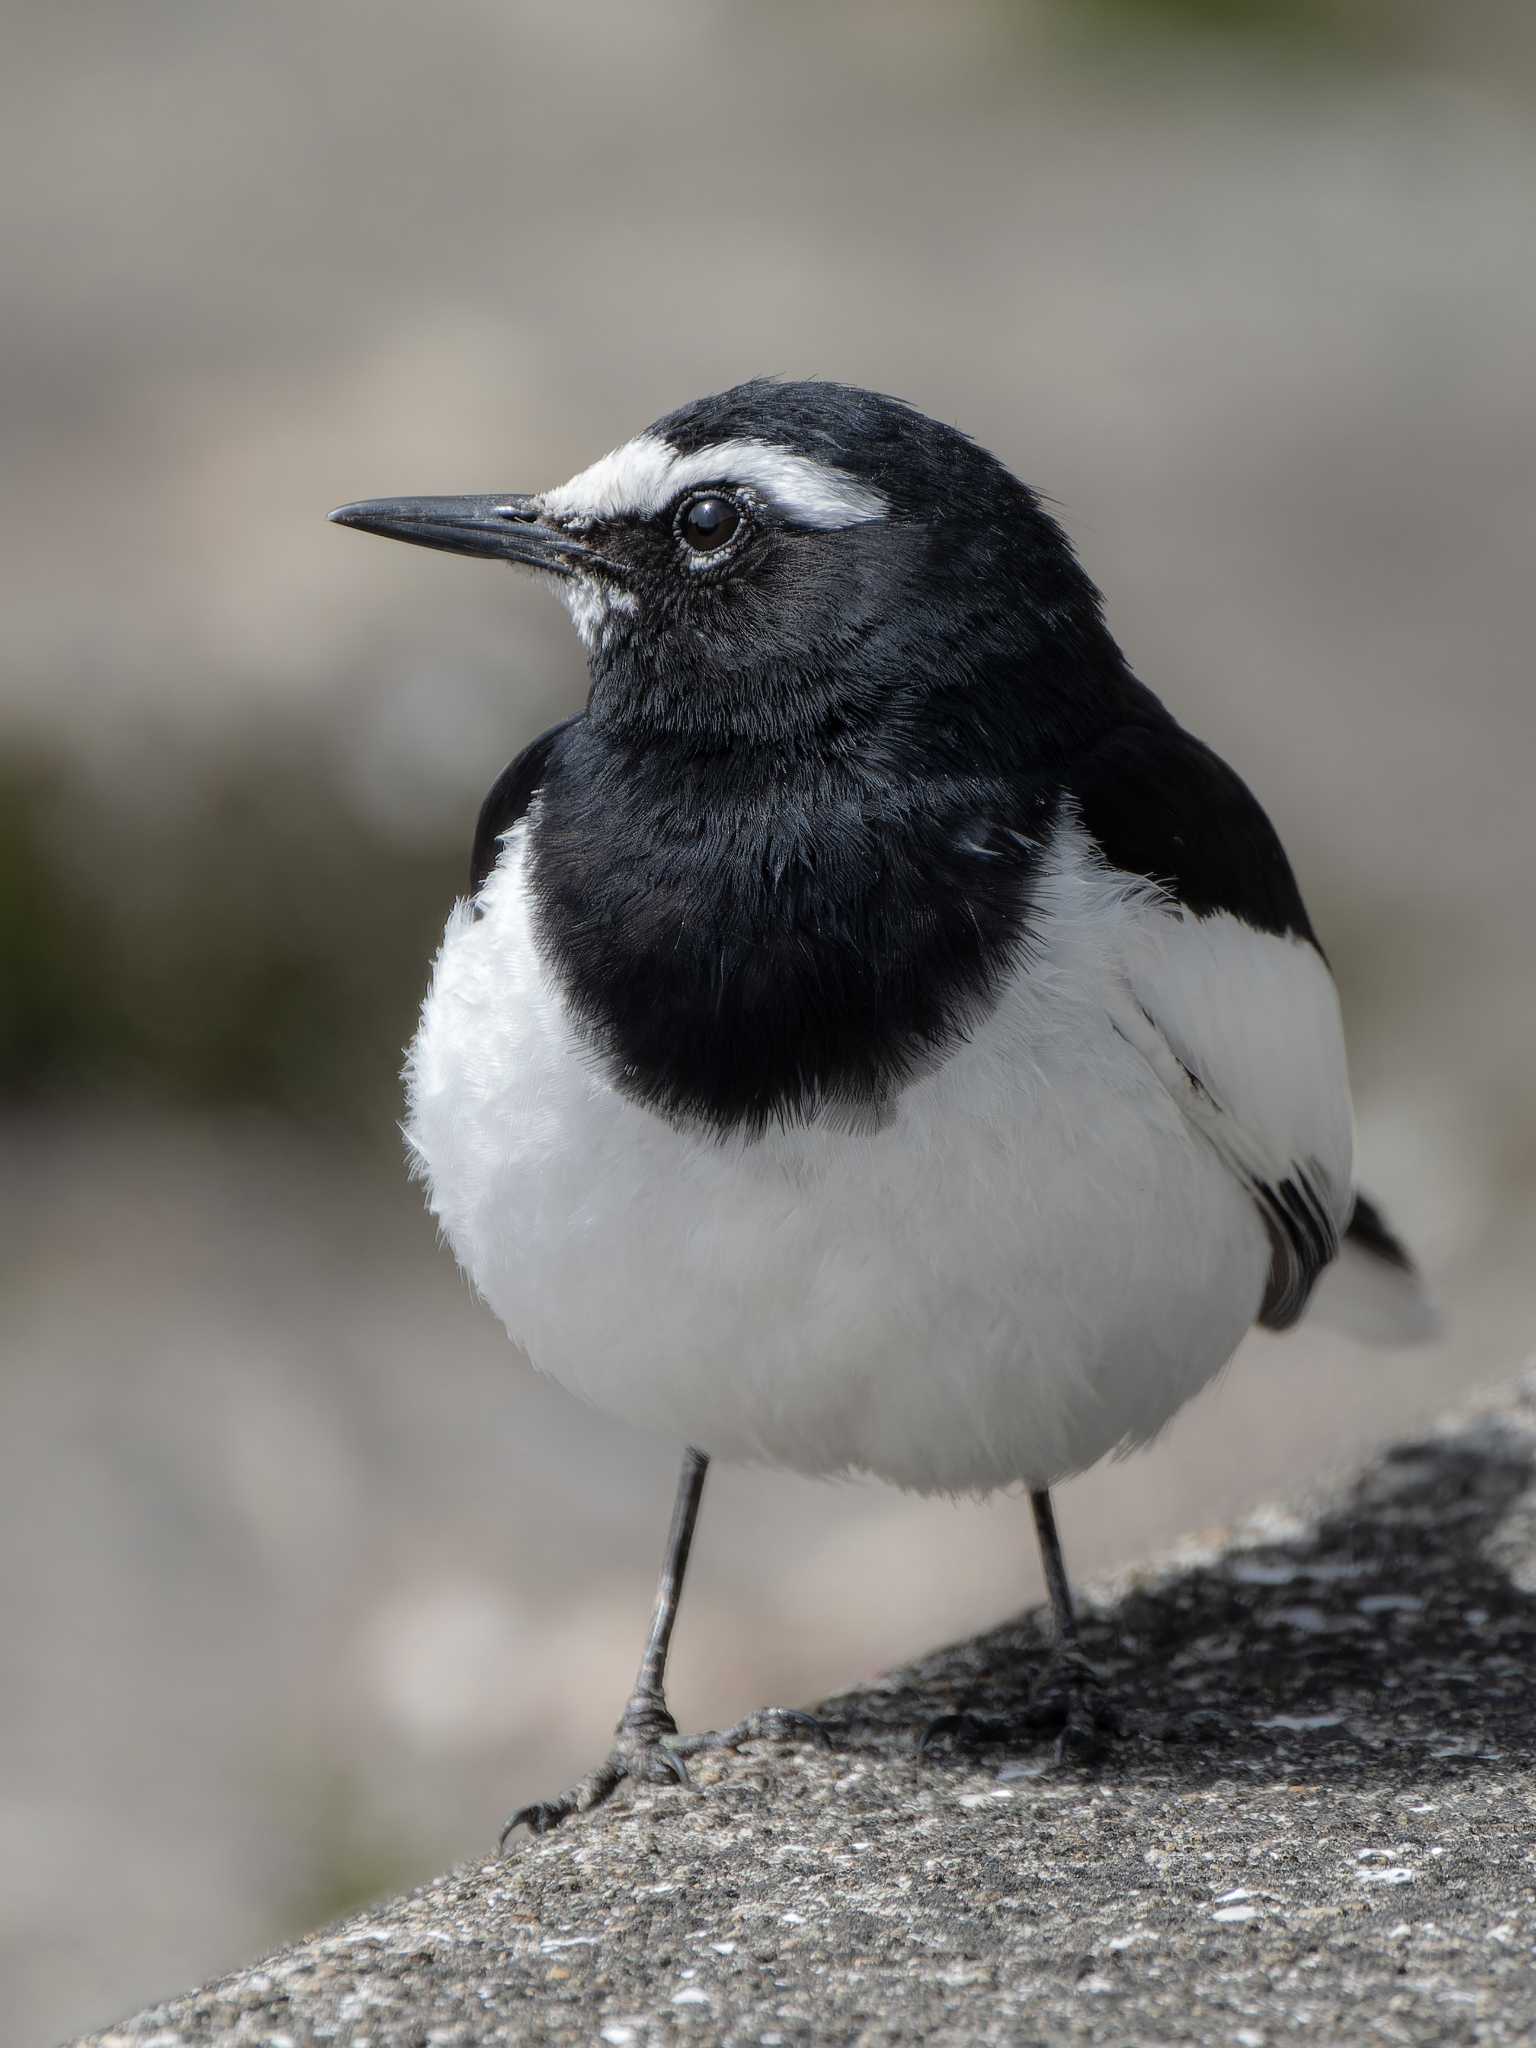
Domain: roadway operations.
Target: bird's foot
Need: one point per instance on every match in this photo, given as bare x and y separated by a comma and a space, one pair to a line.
1067, 1699
768, 1724
641, 1751
1069, 1696
648, 1750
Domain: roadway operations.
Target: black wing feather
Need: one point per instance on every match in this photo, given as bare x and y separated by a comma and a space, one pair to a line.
1160, 804
510, 795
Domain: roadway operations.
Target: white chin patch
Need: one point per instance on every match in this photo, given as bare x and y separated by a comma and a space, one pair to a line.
597, 610
641, 478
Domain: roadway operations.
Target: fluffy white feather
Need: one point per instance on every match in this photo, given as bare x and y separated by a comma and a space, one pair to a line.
1036, 1261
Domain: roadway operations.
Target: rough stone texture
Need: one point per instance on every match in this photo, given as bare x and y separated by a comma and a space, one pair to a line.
1323, 1826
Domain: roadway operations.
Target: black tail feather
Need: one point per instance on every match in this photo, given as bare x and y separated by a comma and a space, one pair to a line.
1369, 1232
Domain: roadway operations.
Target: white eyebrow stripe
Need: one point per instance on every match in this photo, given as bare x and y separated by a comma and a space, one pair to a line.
637, 480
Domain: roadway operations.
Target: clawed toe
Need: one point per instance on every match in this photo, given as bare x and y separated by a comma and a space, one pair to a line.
541, 1818
766, 1725
966, 1730
652, 1762
658, 1759
1085, 1725
1068, 1698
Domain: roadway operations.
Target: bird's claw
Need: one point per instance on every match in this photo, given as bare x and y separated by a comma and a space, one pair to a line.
764, 1725
649, 1751
652, 1763
1068, 1697
969, 1730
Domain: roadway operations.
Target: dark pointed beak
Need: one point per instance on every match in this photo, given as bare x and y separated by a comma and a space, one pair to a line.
508, 529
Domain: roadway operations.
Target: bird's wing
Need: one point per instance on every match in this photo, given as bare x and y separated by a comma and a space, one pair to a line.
1223, 989
510, 795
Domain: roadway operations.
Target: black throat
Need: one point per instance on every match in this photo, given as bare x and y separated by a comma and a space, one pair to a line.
771, 934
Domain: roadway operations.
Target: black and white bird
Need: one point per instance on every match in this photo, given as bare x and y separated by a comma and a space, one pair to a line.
877, 1038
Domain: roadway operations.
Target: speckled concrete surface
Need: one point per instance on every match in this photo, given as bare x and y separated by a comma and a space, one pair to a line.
1322, 1826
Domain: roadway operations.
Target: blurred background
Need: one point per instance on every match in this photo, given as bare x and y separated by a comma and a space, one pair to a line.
305, 1579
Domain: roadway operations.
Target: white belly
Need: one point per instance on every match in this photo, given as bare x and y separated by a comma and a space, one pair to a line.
1034, 1263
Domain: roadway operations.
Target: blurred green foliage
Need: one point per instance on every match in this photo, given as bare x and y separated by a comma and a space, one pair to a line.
1305, 28
45, 1026
262, 947
1220, 17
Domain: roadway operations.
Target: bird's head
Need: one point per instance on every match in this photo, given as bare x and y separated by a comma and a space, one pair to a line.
782, 559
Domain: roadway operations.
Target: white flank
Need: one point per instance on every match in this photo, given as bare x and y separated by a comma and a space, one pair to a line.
646, 474
1243, 1028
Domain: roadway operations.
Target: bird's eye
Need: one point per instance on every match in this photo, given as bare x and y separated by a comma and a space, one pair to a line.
708, 523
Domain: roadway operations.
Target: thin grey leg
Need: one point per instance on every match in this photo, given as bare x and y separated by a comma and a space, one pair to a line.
1067, 1694
648, 1703
1057, 1583
1069, 1689
646, 1742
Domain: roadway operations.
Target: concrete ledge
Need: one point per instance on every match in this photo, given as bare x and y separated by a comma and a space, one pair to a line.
1326, 1827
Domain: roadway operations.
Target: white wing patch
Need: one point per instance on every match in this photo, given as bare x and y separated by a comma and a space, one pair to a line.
1242, 1028
639, 479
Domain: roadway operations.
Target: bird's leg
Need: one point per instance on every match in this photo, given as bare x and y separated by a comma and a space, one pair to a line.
1068, 1694
1069, 1690
639, 1738
647, 1745
646, 1719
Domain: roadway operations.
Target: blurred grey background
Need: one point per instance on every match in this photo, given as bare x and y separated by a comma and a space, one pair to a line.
305, 1579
